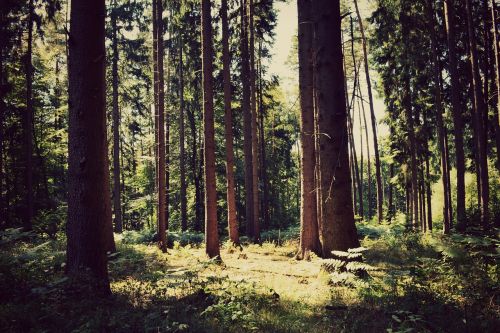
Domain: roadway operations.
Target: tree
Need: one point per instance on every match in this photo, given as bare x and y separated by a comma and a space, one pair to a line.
159, 124
337, 229
89, 205
182, 167
117, 205
247, 124
480, 110
211, 233
228, 127
378, 173
449, 12
28, 125
253, 109
309, 238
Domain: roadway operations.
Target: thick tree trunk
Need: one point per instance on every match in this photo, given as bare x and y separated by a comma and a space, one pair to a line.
182, 158
211, 232
309, 237
28, 126
89, 204
247, 125
228, 127
449, 12
481, 109
116, 128
337, 229
378, 172
253, 108
160, 126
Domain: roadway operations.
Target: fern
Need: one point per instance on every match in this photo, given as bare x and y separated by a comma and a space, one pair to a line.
333, 265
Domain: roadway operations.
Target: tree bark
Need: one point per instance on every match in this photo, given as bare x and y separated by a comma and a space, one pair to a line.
116, 127
378, 173
309, 237
496, 110
89, 204
28, 126
228, 127
449, 13
337, 229
247, 125
211, 232
182, 167
263, 172
439, 120
160, 126
253, 108
479, 114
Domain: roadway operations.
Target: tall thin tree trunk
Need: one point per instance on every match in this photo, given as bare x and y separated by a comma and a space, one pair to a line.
449, 12
228, 120
428, 192
117, 205
89, 204
253, 108
439, 120
480, 111
211, 232
265, 181
337, 228
247, 125
309, 237
3, 203
28, 126
368, 156
182, 167
496, 110
160, 126
378, 172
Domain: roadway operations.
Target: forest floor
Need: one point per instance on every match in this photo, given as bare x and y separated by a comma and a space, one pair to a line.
422, 283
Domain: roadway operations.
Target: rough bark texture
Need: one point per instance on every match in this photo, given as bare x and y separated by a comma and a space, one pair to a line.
160, 127
456, 110
337, 229
232, 223
211, 234
182, 167
481, 109
117, 206
247, 125
496, 50
309, 237
89, 204
253, 108
378, 173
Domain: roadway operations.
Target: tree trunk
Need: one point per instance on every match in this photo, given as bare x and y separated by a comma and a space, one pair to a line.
309, 238
211, 232
89, 204
263, 160
116, 127
253, 108
3, 203
368, 156
228, 120
182, 167
247, 125
378, 173
337, 229
496, 110
28, 126
160, 126
479, 114
449, 12
439, 119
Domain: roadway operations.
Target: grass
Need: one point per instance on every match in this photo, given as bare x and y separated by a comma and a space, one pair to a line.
425, 283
